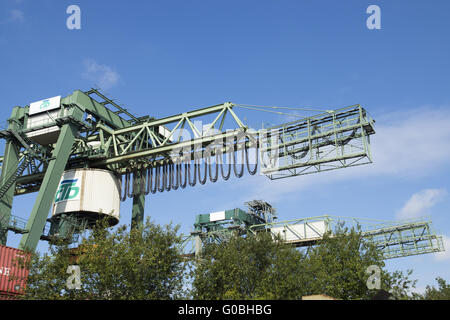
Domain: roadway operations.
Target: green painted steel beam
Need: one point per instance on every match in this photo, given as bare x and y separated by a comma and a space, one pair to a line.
137, 215
86, 103
6, 202
312, 163
52, 177
133, 155
9, 165
111, 102
231, 218
175, 118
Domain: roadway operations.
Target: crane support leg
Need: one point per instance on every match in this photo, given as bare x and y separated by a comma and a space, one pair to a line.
10, 163
52, 177
197, 246
137, 218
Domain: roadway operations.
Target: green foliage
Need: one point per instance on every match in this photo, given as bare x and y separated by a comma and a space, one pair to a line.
440, 293
254, 267
338, 267
399, 285
147, 263
258, 268
143, 263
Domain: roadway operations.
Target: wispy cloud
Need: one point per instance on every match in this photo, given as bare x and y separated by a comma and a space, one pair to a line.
17, 15
14, 15
413, 143
420, 203
102, 75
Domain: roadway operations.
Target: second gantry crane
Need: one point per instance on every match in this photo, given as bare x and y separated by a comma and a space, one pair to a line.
394, 239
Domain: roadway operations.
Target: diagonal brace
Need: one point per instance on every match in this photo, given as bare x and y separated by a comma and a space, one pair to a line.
52, 177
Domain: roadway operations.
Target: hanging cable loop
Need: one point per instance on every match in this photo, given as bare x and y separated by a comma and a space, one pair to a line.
216, 176
236, 147
169, 175
153, 180
255, 169
194, 182
140, 183
166, 182
129, 194
133, 185
227, 176
270, 144
175, 171
160, 178
148, 181
123, 189
205, 173
120, 182
143, 181
184, 183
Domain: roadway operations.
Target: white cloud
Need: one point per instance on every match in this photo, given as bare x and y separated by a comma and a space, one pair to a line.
412, 143
444, 255
14, 15
406, 145
421, 202
102, 75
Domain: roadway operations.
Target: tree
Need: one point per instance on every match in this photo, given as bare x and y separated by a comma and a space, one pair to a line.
256, 267
143, 263
440, 293
341, 267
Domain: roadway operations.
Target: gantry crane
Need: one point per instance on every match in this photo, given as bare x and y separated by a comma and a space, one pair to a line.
394, 239
149, 155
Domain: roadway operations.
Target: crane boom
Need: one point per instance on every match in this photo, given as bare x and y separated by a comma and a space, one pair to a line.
153, 155
394, 239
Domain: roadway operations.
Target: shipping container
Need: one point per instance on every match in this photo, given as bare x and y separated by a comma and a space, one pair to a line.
9, 296
12, 275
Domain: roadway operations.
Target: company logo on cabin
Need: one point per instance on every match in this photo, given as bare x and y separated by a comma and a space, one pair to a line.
68, 190
45, 104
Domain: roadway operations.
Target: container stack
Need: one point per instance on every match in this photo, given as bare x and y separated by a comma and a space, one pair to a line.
13, 273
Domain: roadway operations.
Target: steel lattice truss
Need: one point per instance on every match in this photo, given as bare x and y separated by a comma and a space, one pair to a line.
156, 155
328, 141
395, 239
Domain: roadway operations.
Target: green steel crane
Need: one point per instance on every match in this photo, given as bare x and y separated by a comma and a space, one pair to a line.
148, 155
395, 239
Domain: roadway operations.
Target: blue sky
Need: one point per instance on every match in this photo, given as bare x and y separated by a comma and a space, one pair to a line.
166, 57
